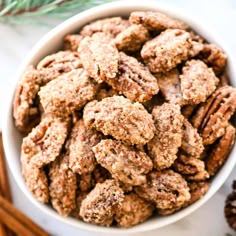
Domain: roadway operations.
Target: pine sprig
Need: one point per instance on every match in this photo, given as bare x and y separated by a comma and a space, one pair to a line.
23, 11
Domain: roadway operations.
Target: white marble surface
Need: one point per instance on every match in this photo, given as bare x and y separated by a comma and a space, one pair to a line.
15, 43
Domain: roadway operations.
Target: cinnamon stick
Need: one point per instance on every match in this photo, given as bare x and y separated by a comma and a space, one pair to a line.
17, 221
4, 186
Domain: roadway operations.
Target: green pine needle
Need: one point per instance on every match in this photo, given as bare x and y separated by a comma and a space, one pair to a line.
25, 11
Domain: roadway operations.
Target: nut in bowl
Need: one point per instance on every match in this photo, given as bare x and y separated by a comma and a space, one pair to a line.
130, 115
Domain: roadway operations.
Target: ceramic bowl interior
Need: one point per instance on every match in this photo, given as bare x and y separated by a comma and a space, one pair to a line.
51, 43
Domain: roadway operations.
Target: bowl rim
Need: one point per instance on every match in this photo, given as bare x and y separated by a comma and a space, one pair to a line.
104, 9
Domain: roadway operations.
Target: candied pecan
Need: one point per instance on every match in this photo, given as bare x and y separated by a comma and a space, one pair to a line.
134, 80
25, 108
100, 174
166, 189
156, 21
230, 209
99, 205
164, 146
197, 81
68, 93
212, 117
62, 187
112, 25
36, 181
45, 142
79, 147
191, 140
125, 187
133, 210
191, 168
220, 151
99, 56
72, 41
125, 163
167, 50
132, 38
54, 65
119, 117
214, 57
197, 191
169, 84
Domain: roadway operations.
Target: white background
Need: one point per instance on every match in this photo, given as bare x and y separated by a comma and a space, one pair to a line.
15, 43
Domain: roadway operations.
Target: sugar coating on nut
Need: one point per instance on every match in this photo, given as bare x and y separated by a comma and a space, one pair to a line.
191, 168
68, 93
85, 182
156, 21
63, 186
79, 146
191, 140
164, 146
167, 50
214, 57
99, 205
100, 174
133, 210
80, 196
134, 80
112, 25
119, 117
169, 84
43, 145
166, 189
220, 151
25, 108
54, 65
36, 181
197, 81
132, 38
72, 41
99, 56
125, 164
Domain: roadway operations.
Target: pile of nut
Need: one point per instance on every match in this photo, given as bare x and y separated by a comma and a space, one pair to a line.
131, 118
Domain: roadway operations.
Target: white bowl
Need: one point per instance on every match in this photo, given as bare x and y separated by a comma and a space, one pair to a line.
50, 43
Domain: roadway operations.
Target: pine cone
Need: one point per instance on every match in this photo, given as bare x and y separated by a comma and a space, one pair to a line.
230, 207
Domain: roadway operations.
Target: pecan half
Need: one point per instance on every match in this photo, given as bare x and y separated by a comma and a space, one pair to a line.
134, 80
70, 92
54, 65
133, 210
99, 56
166, 189
156, 21
112, 25
132, 38
220, 151
25, 108
43, 145
212, 117
99, 205
167, 50
164, 146
197, 81
62, 187
119, 117
123, 162
191, 168
191, 140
